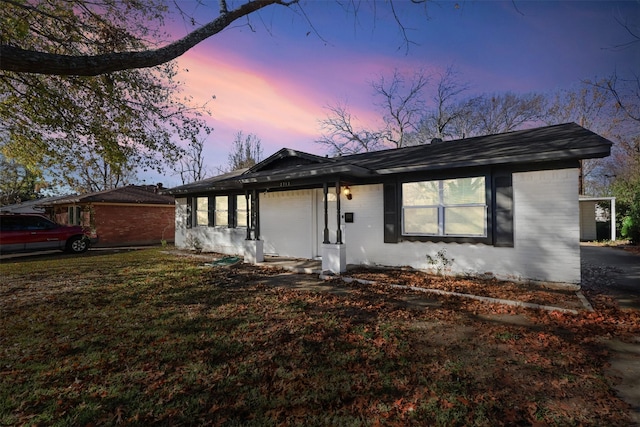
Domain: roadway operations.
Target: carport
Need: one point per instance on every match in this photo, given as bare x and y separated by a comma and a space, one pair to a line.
588, 217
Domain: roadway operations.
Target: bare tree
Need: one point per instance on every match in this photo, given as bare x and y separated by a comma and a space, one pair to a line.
96, 174
591, 106
191, 166
402, 104
246, 152
448, 114
626, 92
340, 135
498, 113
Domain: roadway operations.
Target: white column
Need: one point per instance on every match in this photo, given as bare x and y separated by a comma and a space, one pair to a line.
613, 219
334, 258
253, 251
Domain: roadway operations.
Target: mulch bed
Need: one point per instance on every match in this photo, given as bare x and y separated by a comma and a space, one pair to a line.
493, 288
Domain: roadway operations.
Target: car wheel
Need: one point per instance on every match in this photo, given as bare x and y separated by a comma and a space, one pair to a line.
77, 245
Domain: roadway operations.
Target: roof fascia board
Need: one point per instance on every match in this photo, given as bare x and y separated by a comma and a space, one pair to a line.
322, 173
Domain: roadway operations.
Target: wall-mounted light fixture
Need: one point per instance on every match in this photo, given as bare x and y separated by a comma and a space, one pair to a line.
347, 192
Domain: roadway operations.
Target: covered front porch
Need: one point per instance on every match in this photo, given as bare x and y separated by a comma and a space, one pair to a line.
316, 230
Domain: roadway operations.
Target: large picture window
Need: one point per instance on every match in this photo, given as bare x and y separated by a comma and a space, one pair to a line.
450, 207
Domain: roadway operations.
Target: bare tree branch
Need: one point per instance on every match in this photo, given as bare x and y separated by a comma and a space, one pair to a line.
16, 59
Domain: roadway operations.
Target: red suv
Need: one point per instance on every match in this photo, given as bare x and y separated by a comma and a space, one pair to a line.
32, 232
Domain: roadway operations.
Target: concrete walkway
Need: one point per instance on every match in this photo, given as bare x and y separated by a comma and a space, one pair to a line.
618, 275
621, 273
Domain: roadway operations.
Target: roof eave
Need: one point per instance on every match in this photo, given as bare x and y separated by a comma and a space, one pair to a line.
344, 170
576, 154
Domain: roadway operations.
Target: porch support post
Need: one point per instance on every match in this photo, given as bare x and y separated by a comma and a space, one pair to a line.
334, 255
613, 219
249, 216
338, 229
253, 248
325, 189
256, 197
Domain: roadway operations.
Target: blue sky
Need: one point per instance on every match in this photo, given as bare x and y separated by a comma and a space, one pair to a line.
274, 78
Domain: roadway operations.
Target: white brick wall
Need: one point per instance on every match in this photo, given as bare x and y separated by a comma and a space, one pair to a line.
214, 239
546, 231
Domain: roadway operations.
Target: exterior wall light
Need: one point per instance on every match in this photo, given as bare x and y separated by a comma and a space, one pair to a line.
347, 192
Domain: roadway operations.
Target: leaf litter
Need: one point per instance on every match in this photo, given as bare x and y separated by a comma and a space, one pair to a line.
153, 339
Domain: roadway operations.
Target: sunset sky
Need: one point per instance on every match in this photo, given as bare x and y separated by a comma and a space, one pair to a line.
274, 79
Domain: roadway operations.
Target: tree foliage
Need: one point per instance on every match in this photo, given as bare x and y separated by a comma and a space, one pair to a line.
61, 122
18, 183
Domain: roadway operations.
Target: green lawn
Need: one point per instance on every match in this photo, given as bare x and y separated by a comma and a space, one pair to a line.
145, 337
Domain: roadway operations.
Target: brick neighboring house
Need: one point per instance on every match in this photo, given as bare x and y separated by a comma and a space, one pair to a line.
131, 215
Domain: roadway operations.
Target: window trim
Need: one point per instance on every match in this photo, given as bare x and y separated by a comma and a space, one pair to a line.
392, 202
245, 203
197, 210
214, 212
441, 208
231, 211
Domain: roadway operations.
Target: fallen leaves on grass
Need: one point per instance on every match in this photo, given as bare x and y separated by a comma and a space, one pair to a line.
167, 342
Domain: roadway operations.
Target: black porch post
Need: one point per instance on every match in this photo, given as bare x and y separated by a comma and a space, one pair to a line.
338, 230
249, 216
325, 189
253, 213
256, 194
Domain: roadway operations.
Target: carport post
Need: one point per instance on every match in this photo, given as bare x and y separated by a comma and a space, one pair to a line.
613, 219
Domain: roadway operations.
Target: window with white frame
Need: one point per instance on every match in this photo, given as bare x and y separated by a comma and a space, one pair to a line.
449, 207
202, 211
221, 211
74, 215
241, 211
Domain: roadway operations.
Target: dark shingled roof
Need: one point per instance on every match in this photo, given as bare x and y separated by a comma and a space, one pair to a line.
134, 194
531, 146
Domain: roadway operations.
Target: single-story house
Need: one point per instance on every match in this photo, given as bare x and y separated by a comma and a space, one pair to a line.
124, 216
504, 205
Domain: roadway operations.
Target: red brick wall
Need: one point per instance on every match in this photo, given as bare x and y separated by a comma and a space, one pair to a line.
118, 225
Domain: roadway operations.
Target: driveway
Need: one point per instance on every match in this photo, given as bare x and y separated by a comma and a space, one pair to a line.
613, 271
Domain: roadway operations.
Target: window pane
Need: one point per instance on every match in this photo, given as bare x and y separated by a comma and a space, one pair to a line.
420, 220
222, 203
222, 218
241, 211
202, 218
465, 221
241, 218
420, 193
463, 191
202, 213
